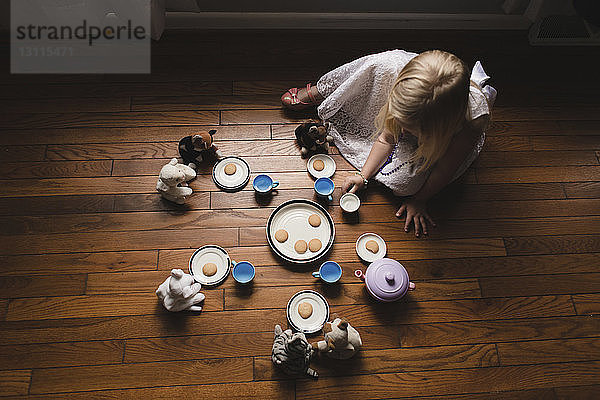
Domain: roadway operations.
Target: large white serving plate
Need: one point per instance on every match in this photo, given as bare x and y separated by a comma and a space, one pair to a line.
293, 217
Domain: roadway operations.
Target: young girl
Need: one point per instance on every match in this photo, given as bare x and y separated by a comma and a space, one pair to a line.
412, 122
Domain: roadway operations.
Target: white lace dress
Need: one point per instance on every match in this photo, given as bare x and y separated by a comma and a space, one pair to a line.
354, 94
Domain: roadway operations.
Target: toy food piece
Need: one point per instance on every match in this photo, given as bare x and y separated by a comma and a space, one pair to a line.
230, 169
281, 235
305, 309
209, 269
314, 220
372, 246
319, 165
300, 247
314, 245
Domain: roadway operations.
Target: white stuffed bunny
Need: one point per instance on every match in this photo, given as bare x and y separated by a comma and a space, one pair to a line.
342, 341
172, 181
179, 292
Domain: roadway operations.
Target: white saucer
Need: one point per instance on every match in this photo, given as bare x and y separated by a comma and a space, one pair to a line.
234, 182
319, 316
210, 254
293, 217
365, 254
327, 172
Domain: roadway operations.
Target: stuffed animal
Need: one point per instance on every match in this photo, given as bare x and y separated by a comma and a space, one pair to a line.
172, 181
192, 148
179, 292
312, 137
342, 341
292, 353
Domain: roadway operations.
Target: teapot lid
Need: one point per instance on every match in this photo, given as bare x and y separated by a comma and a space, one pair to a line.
387, 279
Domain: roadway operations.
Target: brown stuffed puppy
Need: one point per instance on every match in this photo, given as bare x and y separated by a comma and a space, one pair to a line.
192, 148
312, 137
342, 341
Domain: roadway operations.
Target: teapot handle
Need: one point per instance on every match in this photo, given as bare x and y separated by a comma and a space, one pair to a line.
411, 286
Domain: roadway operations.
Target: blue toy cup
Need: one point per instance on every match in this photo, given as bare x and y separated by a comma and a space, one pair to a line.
243, 271
324, 187
329, 272
264, 184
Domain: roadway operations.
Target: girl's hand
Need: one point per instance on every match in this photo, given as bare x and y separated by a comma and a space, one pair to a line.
416, 212
353, 183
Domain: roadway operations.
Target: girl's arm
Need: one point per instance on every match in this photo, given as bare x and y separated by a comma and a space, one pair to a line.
441, 174
380, 150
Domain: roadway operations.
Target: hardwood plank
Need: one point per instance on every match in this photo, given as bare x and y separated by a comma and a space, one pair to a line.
524, 128
346, 252
22, 153
204, 102
62, 169
451, 229
115, 241
77, 186
15, 383
263, 116
108, 120
532, 394
538, 174
245, 88
552, 244
133, 221
154, 324
502, 266
466, 332
61, 354
52, 285
78, 263
589, 190
97, 306
456, 310
198, 347
587, 303
570, 142
491, 379
65, 104
540, 285
122, 376
577, 392
83, 135
549, 351
241, 391
277, 297
3, 309
557, 113
508, 143
54, 205
505, 159
390, 361
580, 127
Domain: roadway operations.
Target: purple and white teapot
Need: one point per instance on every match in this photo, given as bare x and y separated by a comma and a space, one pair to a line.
386, 279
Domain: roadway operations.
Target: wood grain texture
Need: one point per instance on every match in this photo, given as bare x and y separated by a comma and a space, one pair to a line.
590, 190
449, 382
535, 158
587, 303
122, 376
56, 205
15, 383
55, 169
589, 392
549, 351
540, 284
552, 244
539, 174
54, 285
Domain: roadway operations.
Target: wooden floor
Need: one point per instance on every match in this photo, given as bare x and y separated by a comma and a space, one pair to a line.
508, 285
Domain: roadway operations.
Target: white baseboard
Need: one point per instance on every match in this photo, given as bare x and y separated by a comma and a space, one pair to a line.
233, 20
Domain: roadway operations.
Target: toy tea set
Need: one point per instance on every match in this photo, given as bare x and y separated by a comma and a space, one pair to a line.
299, 231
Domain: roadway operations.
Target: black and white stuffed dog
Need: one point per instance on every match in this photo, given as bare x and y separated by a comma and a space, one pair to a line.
312, 137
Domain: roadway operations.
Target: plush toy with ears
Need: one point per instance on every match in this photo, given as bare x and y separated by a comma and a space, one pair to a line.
179, 292
193, 148
172, 181
312, 137
342, 341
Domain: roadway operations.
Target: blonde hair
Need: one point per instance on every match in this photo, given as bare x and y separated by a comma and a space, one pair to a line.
429, 98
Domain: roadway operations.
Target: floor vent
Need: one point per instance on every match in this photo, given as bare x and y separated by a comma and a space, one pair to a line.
564, 30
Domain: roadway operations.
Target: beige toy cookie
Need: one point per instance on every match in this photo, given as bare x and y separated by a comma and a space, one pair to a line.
230, 169
314, 245
314, 220
305, 309
209, 269
372, 246
319, 165
300, 247
281, 235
